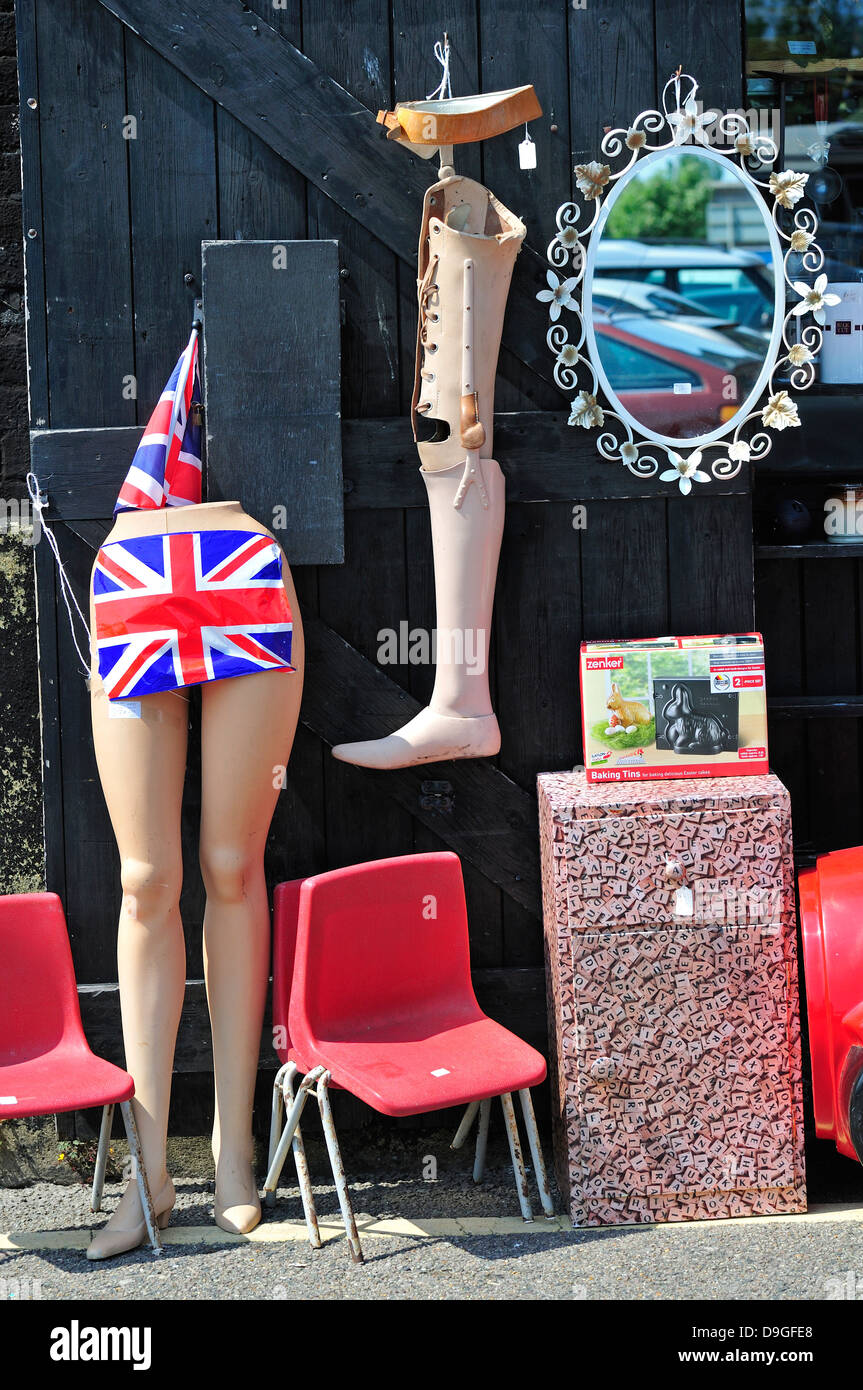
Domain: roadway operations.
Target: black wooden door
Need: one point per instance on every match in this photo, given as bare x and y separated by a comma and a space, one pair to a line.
240, 136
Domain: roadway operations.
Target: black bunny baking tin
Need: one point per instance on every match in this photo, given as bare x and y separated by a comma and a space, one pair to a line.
691, 718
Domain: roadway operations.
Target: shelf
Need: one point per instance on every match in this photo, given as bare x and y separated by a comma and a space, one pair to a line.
812, 550
815, 706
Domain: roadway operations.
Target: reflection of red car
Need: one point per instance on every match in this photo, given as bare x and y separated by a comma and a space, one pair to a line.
676, 394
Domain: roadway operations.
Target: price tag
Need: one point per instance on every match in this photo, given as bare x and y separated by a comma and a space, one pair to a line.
527, 154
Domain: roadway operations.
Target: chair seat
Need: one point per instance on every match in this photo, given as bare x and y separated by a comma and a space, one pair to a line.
66, 1078
400, 1070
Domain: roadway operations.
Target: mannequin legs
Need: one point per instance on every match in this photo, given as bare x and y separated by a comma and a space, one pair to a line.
142, 766
247, 728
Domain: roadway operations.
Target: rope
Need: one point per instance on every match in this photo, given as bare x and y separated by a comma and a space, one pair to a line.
444, 89
39, 507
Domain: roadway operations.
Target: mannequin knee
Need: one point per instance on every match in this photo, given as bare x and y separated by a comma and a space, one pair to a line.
150, 890
228, 872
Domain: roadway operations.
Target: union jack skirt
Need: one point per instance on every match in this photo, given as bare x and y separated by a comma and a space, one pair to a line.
189, 607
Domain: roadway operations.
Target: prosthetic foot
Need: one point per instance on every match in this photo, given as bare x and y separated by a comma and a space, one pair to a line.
468, 245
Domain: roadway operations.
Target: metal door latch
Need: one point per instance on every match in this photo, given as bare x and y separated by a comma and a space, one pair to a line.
437, 796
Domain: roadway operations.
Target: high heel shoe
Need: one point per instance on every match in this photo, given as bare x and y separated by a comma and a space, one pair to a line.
109, 1242
238, 1219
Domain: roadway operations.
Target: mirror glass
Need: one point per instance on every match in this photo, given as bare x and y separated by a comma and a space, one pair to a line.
681, 294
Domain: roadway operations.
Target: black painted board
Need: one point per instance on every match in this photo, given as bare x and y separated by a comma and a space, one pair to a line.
260, 196
353, 47
31, 206
349, 698
710, 565
173, 208
47, 598
537, 643
360, 601
321, 129
831, 666
624, 570
707, 42
271, 389
611, 76
778, 617
513, 53
86, 215
91, 896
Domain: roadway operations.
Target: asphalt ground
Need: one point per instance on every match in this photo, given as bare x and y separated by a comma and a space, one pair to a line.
427, 1240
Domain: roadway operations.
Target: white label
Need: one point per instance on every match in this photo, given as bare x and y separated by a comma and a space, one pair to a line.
683, 388
8, 1100
801, 46
527, 155
124, 709
683, 902
441, 1071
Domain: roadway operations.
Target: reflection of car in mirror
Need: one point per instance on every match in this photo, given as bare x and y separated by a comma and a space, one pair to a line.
682, 293
673, 384
736, 285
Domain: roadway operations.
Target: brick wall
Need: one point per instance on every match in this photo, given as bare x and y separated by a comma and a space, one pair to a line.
21, 841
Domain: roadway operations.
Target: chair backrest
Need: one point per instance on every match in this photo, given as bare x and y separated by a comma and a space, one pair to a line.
38, 996
286, 907
379, 945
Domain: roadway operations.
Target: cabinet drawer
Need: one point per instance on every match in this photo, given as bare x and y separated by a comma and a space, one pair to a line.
680, 1077
625, 871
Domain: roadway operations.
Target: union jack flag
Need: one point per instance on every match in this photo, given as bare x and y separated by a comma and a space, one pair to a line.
166, 469
188, 607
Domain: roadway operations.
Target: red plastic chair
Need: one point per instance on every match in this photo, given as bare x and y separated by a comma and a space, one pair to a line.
380, 1003
46, 1065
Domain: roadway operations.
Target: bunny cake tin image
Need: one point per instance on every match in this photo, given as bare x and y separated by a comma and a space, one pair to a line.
674, 707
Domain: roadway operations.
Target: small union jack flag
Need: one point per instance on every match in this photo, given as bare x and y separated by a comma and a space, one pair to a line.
166, 469
188, 607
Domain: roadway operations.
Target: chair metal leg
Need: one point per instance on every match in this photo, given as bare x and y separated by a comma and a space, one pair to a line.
338, 1170
536, 1152
464, 1128
302, 1167
141, 1174
289, 1069
101, 1157
481, 1140
515, 1154
291, 1122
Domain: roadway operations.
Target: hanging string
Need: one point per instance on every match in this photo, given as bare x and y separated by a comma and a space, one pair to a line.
444, 89
39, 506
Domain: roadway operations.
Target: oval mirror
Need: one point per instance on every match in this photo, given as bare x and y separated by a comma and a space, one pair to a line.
684, 295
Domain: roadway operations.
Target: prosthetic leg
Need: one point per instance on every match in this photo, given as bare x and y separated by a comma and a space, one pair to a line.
468, 245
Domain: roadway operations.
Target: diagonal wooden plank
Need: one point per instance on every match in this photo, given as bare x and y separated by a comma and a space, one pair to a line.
494, 822
246, 67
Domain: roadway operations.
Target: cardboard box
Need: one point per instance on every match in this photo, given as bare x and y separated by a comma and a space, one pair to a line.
674, 707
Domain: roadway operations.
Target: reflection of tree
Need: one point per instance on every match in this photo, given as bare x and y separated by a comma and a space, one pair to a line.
666, 207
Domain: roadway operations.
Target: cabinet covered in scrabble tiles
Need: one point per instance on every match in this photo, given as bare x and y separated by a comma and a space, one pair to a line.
672, 995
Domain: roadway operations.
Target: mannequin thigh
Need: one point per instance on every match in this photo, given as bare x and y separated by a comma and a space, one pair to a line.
142, 765
247, 730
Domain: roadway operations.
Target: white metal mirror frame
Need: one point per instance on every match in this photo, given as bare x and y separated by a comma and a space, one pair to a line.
626, 441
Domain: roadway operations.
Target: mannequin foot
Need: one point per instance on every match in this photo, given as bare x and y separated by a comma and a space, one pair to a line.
127, 1229
428, 738
236, 1204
